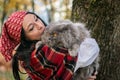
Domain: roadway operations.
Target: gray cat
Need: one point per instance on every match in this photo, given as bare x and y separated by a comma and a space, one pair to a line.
69, 35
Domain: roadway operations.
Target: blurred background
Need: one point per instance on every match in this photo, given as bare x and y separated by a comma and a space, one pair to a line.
102, 18
48, 10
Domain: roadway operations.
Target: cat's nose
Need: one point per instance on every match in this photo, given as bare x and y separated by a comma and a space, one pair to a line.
50, 38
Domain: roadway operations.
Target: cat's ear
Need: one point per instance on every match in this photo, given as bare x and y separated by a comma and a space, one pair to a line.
65, 27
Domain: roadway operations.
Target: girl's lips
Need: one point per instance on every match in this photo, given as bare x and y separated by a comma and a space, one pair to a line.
43, 31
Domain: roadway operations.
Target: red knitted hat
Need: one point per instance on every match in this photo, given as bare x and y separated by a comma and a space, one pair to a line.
11, 34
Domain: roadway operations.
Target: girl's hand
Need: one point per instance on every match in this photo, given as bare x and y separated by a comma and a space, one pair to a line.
93, 77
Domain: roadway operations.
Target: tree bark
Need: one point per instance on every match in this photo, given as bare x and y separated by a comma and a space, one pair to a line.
4, 11
33, 5
102, 17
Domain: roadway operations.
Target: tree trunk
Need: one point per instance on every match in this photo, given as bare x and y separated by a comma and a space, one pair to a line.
52, 11
33, 5
4, 11
102, 17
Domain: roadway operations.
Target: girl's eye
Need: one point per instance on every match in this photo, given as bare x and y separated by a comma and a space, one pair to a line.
31, 28
36, 19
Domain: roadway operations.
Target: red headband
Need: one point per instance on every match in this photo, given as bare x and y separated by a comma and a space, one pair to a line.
11, 34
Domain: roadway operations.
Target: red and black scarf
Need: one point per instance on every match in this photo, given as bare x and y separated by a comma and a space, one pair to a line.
48, 64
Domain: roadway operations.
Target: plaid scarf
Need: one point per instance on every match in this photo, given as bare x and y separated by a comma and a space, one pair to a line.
50, 64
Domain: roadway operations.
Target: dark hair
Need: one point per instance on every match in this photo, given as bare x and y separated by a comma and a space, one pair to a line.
23, 52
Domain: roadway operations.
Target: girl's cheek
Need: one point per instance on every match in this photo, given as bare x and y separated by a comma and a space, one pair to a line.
37, 35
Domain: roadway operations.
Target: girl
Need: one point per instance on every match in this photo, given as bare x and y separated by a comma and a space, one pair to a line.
23, 29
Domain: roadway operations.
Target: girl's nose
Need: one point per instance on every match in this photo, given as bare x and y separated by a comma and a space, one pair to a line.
38, 25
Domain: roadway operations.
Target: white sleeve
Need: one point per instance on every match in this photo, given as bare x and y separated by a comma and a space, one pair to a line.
87, 53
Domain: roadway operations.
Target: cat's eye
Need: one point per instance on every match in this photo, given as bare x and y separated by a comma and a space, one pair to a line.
54, 34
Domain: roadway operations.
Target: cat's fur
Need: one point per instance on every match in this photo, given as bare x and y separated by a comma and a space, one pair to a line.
69, 35
65, 34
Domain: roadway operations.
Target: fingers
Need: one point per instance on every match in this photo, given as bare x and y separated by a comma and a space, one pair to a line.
96, 73
93, 77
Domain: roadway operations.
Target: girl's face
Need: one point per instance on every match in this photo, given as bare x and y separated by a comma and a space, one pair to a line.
33, 27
